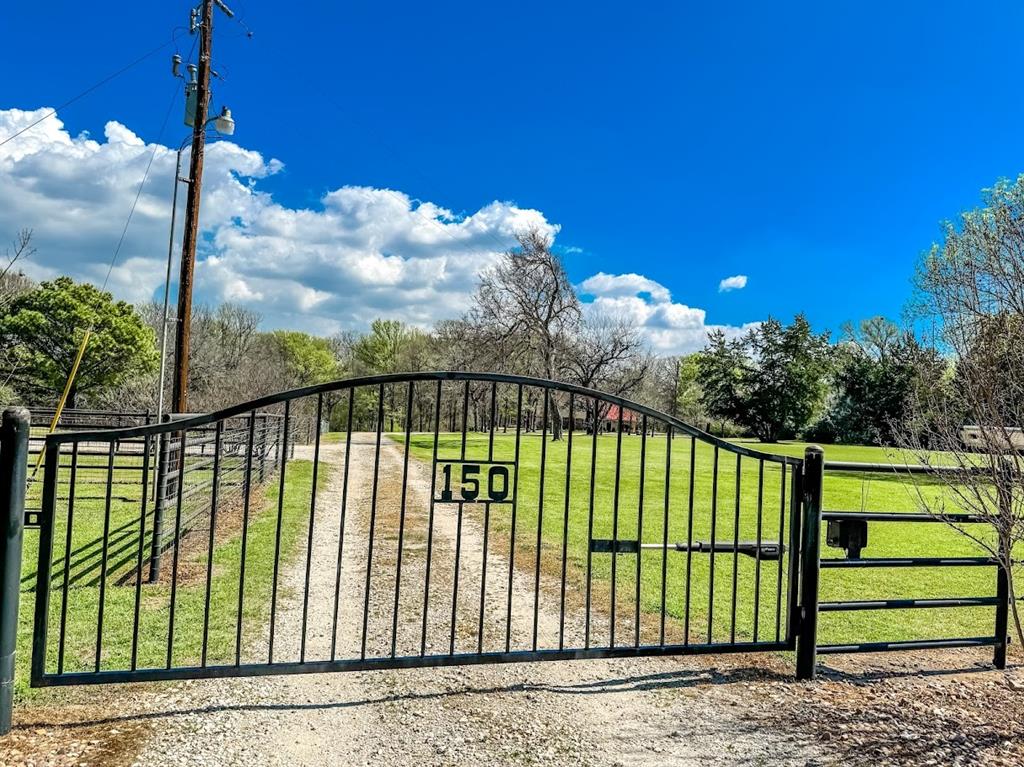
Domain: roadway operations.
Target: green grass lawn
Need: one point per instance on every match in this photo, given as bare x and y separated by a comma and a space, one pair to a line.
85, 568
843, 491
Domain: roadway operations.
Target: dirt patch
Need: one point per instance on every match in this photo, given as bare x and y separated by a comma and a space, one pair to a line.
880, 710
55, 736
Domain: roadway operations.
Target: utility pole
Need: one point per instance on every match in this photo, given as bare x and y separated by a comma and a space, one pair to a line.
191, 233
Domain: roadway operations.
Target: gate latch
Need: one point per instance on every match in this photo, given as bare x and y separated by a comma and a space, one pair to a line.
33, 518
763, 550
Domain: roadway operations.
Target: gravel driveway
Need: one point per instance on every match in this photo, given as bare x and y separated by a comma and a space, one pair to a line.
622, 712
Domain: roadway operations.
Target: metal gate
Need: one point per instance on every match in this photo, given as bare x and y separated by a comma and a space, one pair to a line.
423, 519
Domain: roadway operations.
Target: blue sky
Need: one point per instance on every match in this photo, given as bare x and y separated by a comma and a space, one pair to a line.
813, 147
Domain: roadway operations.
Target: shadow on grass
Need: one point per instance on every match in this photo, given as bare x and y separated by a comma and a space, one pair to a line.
86, 561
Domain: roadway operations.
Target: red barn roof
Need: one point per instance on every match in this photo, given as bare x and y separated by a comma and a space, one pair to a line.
628, 416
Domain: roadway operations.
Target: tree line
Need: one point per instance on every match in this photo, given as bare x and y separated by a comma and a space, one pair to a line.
774, 382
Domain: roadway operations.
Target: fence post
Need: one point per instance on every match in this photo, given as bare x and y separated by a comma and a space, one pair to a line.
14, 433
1002, 614
261, 448
1002, 577
807, 639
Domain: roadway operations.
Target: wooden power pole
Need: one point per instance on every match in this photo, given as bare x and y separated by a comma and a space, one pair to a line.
191, 232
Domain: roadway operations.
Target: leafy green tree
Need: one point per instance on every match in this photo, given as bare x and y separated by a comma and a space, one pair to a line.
307, 359
878, 372
380, 350
723, 369
689, 389
43, 330
772, 381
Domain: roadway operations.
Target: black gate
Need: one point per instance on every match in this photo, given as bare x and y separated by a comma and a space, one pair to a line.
406, 520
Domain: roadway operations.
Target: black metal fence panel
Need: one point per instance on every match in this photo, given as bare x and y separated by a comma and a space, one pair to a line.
448, 518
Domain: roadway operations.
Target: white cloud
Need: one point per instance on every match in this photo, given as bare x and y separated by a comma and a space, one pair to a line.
359, 254
611, 285
669, 327
736, 282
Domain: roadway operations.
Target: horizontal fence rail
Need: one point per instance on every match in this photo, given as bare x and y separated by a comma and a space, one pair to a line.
854, 538
422, 519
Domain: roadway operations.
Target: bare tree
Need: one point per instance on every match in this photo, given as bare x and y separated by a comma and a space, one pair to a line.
606, 353
13, 282
971, 290
524, 308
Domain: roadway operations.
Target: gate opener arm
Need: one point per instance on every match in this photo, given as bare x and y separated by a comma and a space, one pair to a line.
767, 551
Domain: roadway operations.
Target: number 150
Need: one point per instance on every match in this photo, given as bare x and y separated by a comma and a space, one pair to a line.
469, 490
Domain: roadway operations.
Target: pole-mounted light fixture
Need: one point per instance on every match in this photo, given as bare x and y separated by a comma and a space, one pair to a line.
223, 123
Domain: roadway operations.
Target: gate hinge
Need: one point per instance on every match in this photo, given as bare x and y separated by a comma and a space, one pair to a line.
33, 518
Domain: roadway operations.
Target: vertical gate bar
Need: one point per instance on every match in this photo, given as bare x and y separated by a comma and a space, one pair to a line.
67, 559
735, 549
458, 525
813, 478
247, 498
15, 426
430, 520
218, 434
565, 521
487, 522
174, 576
373, 520
795, 527
512, 531
689, 542
401, 518
757, 553
540, 513
615, 526
341, 524
160, 499
43, 567
283, 456
782, 528
640, 525
104, 551
158, 513
711, 555
312, 522
139, 558
664, 529
590, 525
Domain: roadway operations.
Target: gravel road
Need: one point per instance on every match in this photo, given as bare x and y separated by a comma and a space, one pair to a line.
681, 711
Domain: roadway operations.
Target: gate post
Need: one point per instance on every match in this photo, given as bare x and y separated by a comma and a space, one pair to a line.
807, 638
1002, 575
14, 432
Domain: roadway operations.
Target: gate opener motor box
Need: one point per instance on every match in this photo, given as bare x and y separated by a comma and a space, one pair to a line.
849, 534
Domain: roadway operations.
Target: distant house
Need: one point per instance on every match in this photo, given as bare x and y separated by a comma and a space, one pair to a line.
630, 420
1009, 437
609, 423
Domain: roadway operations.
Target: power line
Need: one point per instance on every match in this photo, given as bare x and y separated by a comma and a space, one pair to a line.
142, 184
93, 87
